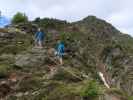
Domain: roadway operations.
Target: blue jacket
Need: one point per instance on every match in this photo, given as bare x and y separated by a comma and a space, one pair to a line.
61, 48
40, 36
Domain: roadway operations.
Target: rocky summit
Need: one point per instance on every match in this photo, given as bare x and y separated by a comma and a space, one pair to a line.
92, 46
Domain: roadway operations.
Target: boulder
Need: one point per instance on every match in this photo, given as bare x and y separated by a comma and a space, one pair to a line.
34, 58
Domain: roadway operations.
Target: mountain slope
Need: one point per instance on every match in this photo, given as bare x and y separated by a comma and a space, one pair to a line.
92, 46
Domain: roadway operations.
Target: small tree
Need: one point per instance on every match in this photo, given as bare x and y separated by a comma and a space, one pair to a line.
19, 18
91, 90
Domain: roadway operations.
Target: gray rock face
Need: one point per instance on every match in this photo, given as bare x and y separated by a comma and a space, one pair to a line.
34, 58
6, 35
111, 97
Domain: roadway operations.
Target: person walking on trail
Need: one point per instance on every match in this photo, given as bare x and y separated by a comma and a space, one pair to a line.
60, 49
39, 38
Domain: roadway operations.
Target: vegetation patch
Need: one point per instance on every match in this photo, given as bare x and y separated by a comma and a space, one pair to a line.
4, 69
91, 90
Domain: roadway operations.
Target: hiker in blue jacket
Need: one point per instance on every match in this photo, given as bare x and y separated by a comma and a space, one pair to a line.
60, 50
39, 38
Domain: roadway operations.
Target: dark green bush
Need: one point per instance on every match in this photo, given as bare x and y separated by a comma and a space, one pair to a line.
91, 90
4, 70
19, 18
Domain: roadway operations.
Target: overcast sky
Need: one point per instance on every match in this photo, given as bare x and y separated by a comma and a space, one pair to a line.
117, 12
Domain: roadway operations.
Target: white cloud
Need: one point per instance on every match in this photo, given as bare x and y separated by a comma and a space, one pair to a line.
117, 12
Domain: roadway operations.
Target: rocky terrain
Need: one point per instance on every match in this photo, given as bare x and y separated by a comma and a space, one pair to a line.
92, 46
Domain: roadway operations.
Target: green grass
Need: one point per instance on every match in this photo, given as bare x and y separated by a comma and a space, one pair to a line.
91, 90
4, 70
130, 98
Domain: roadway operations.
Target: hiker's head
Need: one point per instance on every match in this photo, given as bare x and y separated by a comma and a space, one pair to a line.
39, 29
60, 42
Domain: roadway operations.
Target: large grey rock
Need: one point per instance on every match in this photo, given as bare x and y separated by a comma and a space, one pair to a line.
33, 58
111, 97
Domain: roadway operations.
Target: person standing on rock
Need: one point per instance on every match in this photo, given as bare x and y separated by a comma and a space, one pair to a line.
60, 49
39, 38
